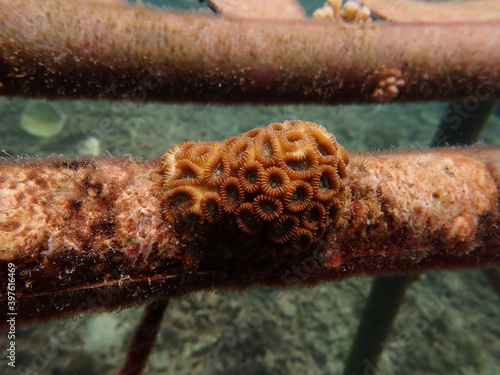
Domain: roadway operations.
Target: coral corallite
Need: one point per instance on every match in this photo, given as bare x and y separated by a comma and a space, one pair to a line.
278, 188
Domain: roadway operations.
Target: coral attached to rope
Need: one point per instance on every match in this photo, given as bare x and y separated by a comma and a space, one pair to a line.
280, 188
277, 206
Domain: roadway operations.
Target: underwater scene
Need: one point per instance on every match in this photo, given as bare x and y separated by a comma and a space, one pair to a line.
448, 322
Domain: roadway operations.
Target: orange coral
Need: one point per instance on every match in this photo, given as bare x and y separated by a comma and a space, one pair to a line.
280, 187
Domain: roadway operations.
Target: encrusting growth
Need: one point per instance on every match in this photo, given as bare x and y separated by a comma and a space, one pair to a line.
280, 188
151, 53
275, 206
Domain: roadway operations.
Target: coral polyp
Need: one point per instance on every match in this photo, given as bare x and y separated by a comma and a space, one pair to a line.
279, 175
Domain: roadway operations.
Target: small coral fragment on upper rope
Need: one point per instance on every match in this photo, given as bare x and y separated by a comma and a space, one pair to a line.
351, 11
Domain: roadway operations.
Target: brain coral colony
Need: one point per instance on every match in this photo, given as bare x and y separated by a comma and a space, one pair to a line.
270, 193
